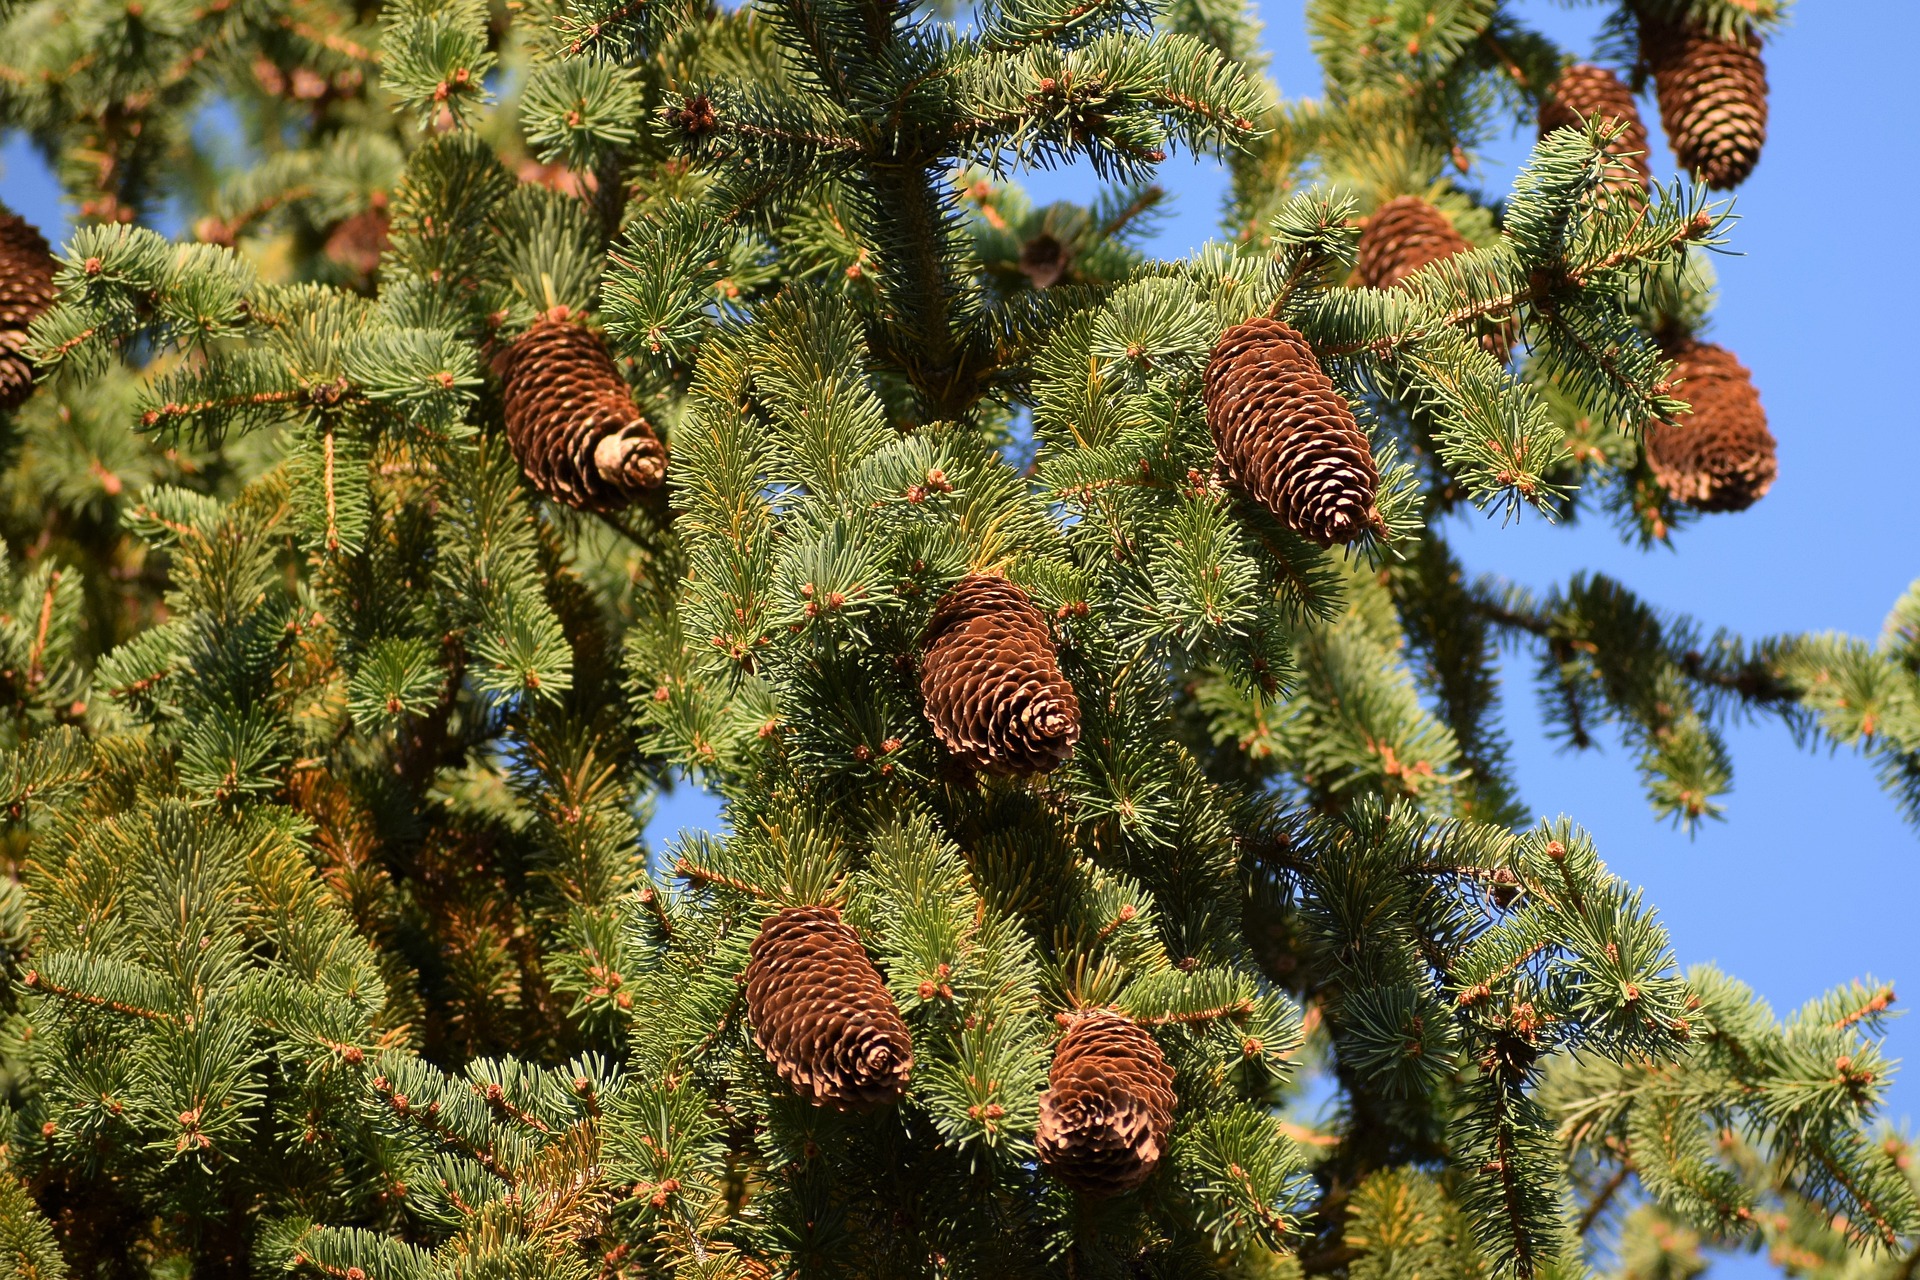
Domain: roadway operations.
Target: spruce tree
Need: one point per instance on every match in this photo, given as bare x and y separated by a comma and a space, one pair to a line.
553, 403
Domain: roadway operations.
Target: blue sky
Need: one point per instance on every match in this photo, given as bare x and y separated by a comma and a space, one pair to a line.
1812, 878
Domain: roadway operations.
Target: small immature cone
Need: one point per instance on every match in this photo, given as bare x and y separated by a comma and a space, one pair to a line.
571, 420
1713, 99
1719, 457
1108, 1107
1405, 234
1587, 92
822, 1013
26, 290
1286, 437
992, 684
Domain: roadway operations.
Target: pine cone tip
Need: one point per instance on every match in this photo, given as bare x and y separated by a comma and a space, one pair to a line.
632, 459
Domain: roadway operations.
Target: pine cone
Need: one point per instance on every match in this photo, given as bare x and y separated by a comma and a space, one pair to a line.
1286, 437
1713, 99
1404, 235
26, 289
1108, 1106
571, 421
1587, 92
822, 1013
992, 683
1043, 260
1719, 457
356, 243
1407, 233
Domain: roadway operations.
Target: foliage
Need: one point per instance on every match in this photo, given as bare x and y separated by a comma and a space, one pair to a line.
332, 946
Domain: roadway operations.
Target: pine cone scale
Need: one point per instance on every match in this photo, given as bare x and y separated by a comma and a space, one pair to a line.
1585, 92
26, 291
1713, 99
1720, 456
1108, 1108
1404, 235
1407, 234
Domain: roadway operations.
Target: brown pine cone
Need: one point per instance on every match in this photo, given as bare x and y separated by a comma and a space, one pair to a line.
822, 1013
1043, 260
26, 290
356, 243
571, 420
1407, 233
991, 681
1719, 457
1587, 92
1403, 235
1286, 437
1108, 1107
1713, 99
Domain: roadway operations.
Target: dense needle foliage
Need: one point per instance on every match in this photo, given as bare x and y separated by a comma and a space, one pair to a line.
332, 947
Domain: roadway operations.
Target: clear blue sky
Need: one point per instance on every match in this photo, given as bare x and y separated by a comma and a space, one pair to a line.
1812, 879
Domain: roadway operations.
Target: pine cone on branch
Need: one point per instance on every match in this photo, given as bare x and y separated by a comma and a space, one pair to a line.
992, 684
1713, 99
1403, 235
1286, 437
357, 242
1719, 457
1586, 92
571, 420
822, 1013
1044, 259
1108, 1107
1408, 233
26, 290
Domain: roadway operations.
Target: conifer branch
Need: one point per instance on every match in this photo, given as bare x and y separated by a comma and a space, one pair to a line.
1234, 1009
1603, 1199
361, 771
36, 981
707, 876
428, 1120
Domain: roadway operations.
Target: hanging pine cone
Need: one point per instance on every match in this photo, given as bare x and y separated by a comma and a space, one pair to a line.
1713, 99
356, 243
1407, 233
1043, 260
1403, 235
1284, 435
1719, 457
26, 289
571, 420
1108, 1106
822, 1013
992, 683
1587, 92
